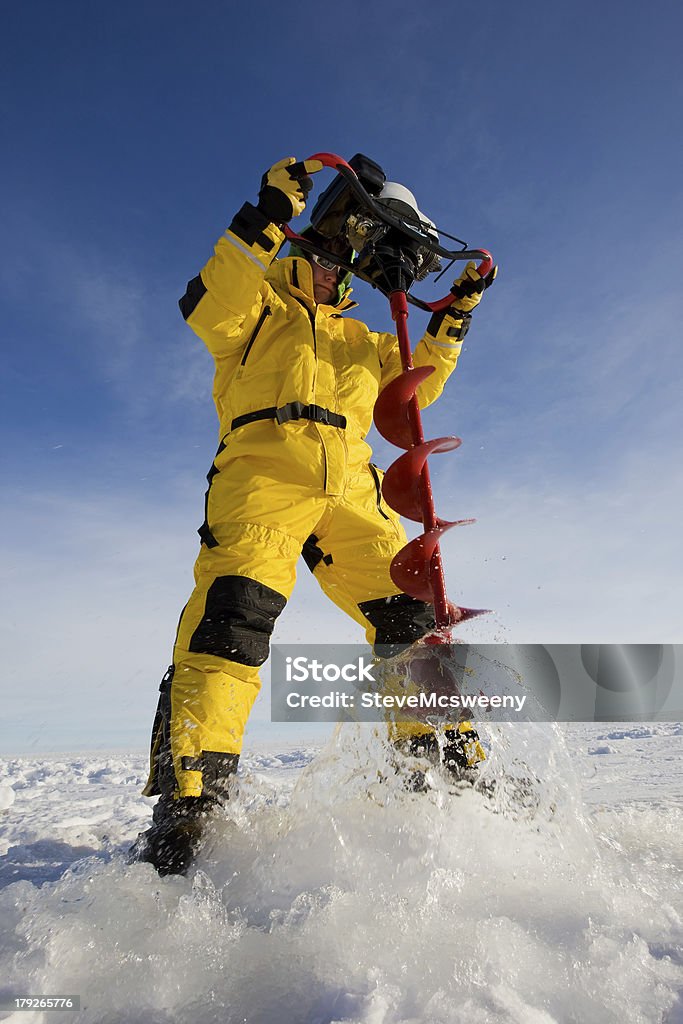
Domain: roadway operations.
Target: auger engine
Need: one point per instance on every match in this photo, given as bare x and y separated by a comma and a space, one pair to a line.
388, 256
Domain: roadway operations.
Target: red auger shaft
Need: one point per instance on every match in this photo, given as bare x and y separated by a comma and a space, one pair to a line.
417, 568
399, 311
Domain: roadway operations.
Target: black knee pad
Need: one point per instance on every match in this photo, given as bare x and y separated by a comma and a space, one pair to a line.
238, 620
399, 621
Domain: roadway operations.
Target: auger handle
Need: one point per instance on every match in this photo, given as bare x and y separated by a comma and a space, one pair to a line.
483, 269
334, 161
327, 160
339, 164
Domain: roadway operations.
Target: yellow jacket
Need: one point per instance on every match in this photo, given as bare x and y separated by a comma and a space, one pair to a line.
273, 345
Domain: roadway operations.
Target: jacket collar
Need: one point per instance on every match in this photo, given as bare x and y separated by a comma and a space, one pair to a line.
293, 275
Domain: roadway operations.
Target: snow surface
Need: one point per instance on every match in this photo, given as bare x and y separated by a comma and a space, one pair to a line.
327, 896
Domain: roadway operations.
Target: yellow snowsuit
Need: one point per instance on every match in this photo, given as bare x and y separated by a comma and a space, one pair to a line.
295, 385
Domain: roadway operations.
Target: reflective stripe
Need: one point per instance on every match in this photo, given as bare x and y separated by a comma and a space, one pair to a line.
446, 344
247, 252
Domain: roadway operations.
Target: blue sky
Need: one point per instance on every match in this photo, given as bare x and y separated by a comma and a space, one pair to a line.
549, 133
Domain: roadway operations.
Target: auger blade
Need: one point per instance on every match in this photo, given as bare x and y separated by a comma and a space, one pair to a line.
401, 486
456, 615
463, 614
410, 568
391, 413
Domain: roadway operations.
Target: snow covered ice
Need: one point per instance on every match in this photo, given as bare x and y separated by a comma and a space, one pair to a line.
326, 896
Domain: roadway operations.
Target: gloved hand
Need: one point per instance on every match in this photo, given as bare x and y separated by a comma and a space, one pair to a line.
470, 286
285, 188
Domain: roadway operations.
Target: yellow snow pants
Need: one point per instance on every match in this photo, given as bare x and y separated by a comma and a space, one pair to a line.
271, 499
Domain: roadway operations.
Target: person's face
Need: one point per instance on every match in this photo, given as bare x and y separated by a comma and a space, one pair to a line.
324, 283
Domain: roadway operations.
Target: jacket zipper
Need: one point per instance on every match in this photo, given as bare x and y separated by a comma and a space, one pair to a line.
311, 317
378, 488
265, 312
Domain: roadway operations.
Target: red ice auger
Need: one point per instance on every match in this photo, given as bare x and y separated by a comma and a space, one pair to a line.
396, 246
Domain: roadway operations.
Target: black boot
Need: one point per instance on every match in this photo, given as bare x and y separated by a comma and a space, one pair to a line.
454, 755
175, 836
172, 841
423, 747
410, 764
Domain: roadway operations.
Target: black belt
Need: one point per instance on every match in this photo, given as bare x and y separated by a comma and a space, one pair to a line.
292, 411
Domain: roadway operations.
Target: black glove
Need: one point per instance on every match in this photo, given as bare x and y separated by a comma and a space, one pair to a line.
285, 188
453, 323
470, 286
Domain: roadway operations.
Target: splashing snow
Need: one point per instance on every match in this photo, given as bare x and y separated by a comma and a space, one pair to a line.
327, 893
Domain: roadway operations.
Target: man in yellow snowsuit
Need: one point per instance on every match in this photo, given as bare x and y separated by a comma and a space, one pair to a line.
296, 380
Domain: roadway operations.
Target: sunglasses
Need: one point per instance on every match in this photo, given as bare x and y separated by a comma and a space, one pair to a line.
326, 264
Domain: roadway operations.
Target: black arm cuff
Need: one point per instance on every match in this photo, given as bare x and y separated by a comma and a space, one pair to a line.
458, 328
249, 224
